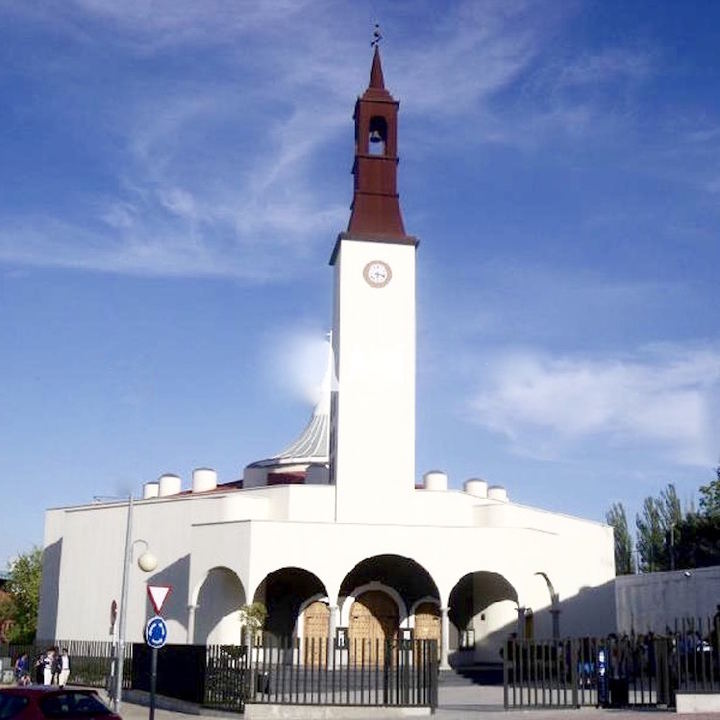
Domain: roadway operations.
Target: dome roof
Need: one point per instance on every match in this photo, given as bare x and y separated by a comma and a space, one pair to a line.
313, 443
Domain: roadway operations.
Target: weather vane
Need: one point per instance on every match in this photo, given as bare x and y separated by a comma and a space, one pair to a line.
377, 37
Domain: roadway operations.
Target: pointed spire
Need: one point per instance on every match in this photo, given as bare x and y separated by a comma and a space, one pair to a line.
376, 74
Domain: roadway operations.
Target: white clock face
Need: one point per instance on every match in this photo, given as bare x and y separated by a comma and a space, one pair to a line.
377, 273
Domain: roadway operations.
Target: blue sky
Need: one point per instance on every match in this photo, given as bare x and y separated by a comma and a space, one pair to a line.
173, 176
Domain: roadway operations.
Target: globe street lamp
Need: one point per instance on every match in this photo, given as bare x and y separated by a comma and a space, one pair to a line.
147, 562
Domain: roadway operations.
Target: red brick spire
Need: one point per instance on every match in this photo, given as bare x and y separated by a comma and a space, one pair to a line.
376, 207
376, 73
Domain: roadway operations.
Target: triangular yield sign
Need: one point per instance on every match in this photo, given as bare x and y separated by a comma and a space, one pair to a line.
158, 594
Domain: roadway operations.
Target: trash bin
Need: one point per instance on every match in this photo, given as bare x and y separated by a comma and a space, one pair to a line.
262, 683
619, 693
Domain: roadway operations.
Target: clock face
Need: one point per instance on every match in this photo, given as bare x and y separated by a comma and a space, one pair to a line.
377, 273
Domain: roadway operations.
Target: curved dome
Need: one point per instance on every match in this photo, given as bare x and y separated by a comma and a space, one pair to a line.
313, 443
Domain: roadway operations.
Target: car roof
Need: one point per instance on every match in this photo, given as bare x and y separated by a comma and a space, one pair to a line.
40, 690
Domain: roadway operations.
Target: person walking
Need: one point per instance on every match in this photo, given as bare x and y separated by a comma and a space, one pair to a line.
47, 666
64, 668
22, 670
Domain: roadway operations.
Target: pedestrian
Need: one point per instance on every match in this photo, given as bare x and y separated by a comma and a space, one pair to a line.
56, 666
38, 669
47, 666
22, 670
64, 668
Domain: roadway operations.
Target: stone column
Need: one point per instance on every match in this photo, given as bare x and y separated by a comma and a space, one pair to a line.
555, 612
333, 620
191, 624
333, 623
444, 639
521, 623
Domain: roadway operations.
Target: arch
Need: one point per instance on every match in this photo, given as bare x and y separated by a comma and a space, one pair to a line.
554, 597
347, 601
217, 601
482, 607
284, 591
419, 601
377, 135
541, 607
403, 574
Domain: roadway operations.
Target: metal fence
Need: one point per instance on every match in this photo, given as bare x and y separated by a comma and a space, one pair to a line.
92, 662
635, 670
317, 672
289, 672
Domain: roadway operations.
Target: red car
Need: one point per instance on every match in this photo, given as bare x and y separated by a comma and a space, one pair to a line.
42, 702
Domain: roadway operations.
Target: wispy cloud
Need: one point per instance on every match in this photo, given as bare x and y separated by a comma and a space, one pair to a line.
221, 155
665, 396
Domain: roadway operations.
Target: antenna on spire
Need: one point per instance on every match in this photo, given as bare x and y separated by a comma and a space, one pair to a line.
377, 36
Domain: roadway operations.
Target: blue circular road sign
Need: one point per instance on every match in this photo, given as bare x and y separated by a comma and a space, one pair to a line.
156, 632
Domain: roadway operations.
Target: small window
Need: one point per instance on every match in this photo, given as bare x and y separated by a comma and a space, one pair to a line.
11, 705
72, 704
377, 141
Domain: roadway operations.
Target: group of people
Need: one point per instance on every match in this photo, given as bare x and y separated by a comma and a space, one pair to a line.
51, 667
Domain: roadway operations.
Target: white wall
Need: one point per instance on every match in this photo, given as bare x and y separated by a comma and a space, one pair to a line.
653, 601
255, 532
374, 345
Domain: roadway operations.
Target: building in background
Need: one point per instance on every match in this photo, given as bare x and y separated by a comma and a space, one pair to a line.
335, 534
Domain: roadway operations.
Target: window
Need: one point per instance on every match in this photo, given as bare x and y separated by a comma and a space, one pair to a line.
72, 703
378, 136
11, 705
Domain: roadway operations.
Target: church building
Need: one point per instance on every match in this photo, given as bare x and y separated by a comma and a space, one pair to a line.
337, 534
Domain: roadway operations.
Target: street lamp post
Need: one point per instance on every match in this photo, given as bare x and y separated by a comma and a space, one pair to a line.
147, 563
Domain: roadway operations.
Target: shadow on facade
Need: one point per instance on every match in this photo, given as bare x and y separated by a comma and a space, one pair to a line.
177, 575
591, 612
49, 590
284, 592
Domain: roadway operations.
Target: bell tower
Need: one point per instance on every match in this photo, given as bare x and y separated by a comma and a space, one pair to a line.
372, 426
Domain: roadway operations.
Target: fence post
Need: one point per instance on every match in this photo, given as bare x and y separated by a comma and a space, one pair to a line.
574, 673
506, 674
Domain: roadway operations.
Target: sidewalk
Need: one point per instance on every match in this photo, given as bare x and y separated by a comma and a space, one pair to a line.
456, 703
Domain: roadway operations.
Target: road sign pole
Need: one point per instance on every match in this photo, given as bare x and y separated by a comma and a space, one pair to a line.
153, 682
155, 637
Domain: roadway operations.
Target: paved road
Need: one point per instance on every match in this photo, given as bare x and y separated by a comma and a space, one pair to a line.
462, 703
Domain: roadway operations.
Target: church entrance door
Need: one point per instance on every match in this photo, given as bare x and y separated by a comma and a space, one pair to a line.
427, 623
374, 618
316, 621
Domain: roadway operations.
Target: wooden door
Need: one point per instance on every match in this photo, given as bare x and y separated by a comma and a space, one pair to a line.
316, 624
427, 623
374, 619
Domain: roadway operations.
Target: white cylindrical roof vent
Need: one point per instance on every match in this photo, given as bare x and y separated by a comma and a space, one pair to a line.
435, 480
169, 485
476, 487
497, 492
150, 490
204, 479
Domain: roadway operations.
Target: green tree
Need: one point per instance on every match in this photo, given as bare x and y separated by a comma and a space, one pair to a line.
252, 618
617, 519
697, 537
23, 589
658, 527
650, 536
710, 497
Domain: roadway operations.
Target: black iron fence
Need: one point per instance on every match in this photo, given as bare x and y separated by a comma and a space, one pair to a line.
614, 671
92, 662
318, 672
290, 671
362, 672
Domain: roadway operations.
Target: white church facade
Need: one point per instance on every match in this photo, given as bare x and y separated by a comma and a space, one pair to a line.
325, 534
